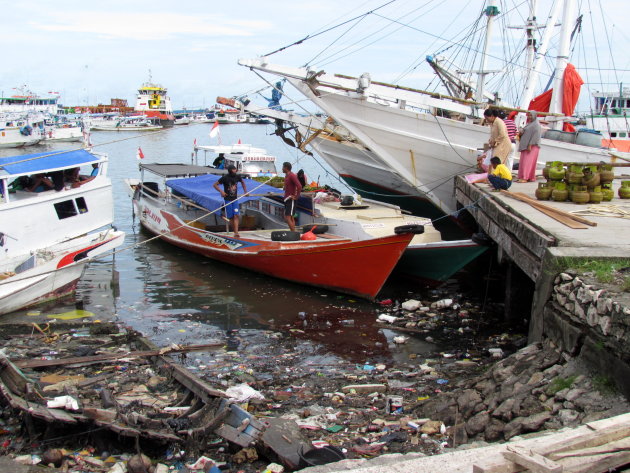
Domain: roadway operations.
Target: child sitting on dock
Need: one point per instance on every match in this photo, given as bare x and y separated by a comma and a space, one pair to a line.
499, 175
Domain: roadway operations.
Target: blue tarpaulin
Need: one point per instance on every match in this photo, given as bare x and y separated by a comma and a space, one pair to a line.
201, 191
40, 162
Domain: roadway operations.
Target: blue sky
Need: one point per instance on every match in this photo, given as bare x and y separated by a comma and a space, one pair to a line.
93, 51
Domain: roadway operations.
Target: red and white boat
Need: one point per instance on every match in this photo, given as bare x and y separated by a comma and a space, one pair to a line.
186, 213
48, 237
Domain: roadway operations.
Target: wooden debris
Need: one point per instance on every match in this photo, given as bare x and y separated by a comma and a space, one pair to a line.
365, 388
535, 462
605, 210
104, 358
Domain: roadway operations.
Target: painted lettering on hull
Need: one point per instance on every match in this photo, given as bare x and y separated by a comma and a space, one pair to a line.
220, 241
146, 212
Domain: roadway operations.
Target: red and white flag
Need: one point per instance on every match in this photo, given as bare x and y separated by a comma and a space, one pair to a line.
195, 142
214, 131
140, 154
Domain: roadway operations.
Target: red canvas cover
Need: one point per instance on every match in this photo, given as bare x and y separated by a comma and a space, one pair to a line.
571, 93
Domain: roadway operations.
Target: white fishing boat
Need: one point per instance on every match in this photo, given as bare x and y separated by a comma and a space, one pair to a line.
181, 119
48, 234
65, 130
423, 137
19, 130
249, 160
135, 123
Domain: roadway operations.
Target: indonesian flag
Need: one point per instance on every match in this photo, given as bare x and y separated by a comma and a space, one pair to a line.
215, 130
195, 142
140, 154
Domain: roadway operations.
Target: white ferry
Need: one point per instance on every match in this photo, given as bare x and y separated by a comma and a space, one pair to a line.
153, 102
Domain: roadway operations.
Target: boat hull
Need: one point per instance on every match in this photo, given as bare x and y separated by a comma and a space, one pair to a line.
359, 268
436, 262
58, 276
424, 150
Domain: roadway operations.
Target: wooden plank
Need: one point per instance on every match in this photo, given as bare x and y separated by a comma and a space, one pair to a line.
111, 357
195, 384
607, 430
547, 208
610, 447
549, 211
535, 462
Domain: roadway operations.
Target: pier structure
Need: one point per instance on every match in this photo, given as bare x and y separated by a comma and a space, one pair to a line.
585, 318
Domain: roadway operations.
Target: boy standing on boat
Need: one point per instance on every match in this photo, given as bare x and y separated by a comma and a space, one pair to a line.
229, 193
292, 189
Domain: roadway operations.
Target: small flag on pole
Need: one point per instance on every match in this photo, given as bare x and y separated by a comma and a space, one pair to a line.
195, 142
214, 131
140, 154
239, 142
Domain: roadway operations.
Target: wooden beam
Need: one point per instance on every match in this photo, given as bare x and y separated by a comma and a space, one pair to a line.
540, 206
535, 462
104, 358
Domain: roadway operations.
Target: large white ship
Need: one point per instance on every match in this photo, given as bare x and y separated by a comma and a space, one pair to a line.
153, 102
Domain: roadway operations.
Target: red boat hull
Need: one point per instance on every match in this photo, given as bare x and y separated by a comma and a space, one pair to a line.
359, 268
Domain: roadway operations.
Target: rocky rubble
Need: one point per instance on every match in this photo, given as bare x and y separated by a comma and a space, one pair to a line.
534, 389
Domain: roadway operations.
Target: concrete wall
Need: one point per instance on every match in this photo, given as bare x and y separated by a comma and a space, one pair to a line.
593, 323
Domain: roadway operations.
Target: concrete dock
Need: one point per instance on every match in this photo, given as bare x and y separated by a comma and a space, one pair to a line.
526, 235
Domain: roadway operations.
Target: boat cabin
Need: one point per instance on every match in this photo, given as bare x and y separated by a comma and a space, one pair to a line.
63, 194
249, 161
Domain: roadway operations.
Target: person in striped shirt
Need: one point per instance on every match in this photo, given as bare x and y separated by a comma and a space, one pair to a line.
512, 134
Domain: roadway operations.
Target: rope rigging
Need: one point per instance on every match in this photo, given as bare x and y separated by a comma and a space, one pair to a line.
307, 37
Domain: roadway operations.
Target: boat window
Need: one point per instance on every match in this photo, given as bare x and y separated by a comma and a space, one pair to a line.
622, 134
65, 209
81, 205
613, 134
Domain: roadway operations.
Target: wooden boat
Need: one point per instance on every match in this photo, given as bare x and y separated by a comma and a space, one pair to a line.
186, 212
111, 389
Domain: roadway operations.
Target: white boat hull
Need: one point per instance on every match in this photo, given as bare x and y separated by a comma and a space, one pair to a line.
426, 151
56, 271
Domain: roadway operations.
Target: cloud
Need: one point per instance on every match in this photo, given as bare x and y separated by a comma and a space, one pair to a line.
148, 26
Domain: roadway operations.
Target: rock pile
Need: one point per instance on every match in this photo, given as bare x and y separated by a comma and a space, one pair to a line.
534, 389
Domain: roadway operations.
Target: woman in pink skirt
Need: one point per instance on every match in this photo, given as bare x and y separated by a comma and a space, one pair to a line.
529, 146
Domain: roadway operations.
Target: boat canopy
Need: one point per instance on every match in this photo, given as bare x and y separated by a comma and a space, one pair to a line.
49, 161
200, 190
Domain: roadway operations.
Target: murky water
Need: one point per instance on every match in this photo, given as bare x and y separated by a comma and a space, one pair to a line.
174, 296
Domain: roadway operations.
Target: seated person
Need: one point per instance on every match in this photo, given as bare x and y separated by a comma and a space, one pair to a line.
219, 161
499, 175
40, 183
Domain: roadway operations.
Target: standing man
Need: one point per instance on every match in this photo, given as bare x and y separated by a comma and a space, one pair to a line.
292, 189
229, 194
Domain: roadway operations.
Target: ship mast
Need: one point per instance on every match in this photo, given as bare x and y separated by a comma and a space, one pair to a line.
561, 62
533, 70
491, 11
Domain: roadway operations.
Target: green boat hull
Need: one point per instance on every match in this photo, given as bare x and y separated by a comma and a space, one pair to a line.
436, 264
